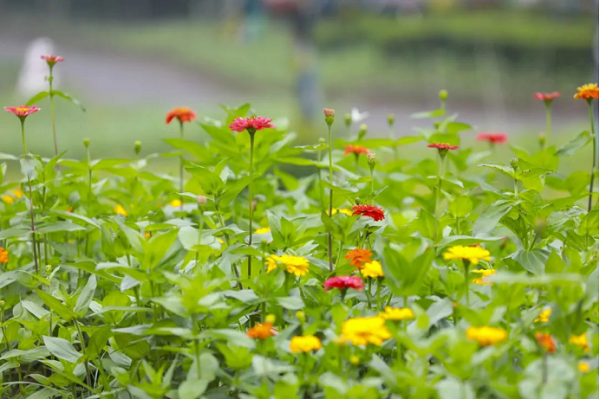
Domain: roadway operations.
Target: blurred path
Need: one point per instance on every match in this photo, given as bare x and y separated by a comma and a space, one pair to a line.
121, 79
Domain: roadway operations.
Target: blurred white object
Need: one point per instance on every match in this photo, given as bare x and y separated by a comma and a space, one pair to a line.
358, 116
32, 77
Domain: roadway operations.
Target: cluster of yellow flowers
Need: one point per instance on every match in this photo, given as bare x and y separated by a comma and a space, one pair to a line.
397, 314
544, 316
372, 269
305, 343
345, 211
484, 273
487, 335
581, 341
13, 196
296, 265
473, 254
263, 230
365, 330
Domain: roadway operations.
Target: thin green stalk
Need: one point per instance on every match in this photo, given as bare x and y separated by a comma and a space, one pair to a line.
378, 294
330, 145
438, 192
250, 200
52, 112
591, 111
33, 238
466, 272
83, 349
548, 122
181, 166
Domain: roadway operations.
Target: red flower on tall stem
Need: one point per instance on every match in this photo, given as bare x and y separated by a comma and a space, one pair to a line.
547, 97
251, 124
52, 59
493, 137
371, 211
443, 146
22, 111
343, 282
356, 150
184, 114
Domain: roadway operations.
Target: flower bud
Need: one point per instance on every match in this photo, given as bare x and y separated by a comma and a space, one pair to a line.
348, 120
301, 316
137, 147
270, 318
355, 360
362, 132
443, 95
86, 143
542, 139
371, 158
391, 118
329, 116
48, 270
202, 200
514, 163
2, 303
357, 201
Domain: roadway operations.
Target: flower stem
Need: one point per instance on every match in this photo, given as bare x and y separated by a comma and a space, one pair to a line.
250, 200
330, 144
52, 113
33, 239
548, 122
591, 109
81, 340
23, 136
466, 271
438, 192
181, 167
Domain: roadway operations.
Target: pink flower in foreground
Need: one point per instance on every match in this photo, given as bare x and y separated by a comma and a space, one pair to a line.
493, 137
52, 59
344, 282
22, 111
251, 124
547, 97
443, 146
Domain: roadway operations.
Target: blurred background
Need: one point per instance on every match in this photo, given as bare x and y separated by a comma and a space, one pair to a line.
129, 62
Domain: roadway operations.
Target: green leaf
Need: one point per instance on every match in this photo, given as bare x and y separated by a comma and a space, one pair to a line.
68, 98
62, 349
489, 218
210, 182
85, 298
290, 302
37, 98
192, 389
580, 141
56, 306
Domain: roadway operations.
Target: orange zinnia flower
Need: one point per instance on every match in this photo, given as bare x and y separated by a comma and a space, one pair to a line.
356, 150
261, 331
3, 255
546, 340
359, 257
184, 114
587, 92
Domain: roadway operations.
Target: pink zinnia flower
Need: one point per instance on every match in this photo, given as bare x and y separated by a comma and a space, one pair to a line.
251, 124
22, 111
344, 282
443, 146
371, 211
184, 114
52, 59
493, 137
546, 97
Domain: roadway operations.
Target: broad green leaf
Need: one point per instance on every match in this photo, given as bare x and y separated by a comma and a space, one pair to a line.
62, 349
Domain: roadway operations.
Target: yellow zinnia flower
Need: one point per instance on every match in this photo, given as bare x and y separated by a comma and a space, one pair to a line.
487, 335
307, 343
544, 316
472, 254
263, 230
16, 194
345, 211
580, 340
296, 265
583, 367
397, 314
372, 269
8, 199
365, 330
587, 92
176, 203
484, 273
119, 210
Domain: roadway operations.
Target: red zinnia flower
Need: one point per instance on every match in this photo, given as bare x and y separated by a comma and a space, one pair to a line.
52, 59
184, 114
343, 282
261, 331
443, 146
546, 340
493, 137
547, 97
251, 124
359, 256
356, 150
22, 111
371, 211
